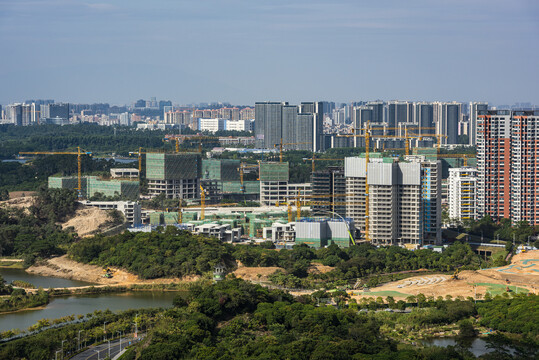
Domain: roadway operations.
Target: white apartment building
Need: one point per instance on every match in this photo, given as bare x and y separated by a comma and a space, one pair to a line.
462, 193
211, 125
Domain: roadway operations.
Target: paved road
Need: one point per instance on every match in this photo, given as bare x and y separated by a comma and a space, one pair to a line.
100, 352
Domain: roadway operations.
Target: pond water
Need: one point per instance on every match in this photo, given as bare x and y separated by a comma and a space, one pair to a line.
78, 305
477, 346
37, 280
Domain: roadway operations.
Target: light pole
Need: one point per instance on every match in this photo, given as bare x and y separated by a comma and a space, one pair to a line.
78, 345
57, 354
98, 354
63, 341
119, 332
109, 348
104, 330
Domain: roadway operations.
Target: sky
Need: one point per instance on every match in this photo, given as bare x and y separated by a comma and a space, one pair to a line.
242, 51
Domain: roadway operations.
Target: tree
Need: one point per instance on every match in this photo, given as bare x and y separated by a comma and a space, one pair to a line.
466, 329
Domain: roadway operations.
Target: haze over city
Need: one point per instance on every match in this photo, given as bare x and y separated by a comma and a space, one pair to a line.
246, 51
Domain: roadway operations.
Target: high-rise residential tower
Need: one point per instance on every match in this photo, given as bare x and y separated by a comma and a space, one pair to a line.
473, 109
508, 164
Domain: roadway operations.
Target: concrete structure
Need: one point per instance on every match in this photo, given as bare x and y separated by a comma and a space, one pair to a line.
124, 173
124, 189
175, 175
280, 232
223, 232
329, 182
404, 199
130, 209
462, 193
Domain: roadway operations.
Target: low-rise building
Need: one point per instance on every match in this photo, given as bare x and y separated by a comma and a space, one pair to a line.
130, 209
131, 173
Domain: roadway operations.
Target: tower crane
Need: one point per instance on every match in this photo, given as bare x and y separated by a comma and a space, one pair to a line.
79, 154
281, 147
242, 168
464, 157
202, 202
139, 155
313, 159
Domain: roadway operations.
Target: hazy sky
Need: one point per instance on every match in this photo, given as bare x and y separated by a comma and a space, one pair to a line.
242, 51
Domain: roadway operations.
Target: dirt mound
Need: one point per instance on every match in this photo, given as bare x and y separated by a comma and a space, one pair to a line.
64, 267
19, 202
88, 221
251, 273
319, 269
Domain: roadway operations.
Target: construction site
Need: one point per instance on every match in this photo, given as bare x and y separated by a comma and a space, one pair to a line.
386, 200
521, 276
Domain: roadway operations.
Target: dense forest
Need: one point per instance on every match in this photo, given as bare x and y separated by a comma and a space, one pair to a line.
234, 319
177, 253
35, 233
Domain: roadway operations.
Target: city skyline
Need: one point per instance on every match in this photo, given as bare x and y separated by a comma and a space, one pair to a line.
234, 52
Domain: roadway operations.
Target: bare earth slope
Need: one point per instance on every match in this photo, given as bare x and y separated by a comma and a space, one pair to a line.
88, 221
64, 267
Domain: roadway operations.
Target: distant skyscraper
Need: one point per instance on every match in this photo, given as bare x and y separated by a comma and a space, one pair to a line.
447, 117
317, 109
424, 117
378, 110
398, 112
474, 107
268, 124
14, 114
290, 118
305, 132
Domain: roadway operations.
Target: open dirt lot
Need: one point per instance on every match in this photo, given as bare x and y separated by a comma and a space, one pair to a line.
18, 202
88, 221
64, 267
521, 275
251, 273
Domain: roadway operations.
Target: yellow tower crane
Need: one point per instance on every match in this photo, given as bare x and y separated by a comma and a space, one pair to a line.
79, 154
202, 202
281, 147
139, 154
464, 157
242, 168
313, 159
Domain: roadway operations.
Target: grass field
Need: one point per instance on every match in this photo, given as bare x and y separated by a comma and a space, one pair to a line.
498, 289
385, 293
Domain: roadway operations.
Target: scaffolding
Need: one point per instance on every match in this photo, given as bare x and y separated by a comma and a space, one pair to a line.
180, 166
273, 171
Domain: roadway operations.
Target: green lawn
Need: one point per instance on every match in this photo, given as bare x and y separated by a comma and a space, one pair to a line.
384, 293
498, 289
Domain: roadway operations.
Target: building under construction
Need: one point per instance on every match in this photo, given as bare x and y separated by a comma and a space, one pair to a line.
92, 185
175, 175
404, 199
327, 185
